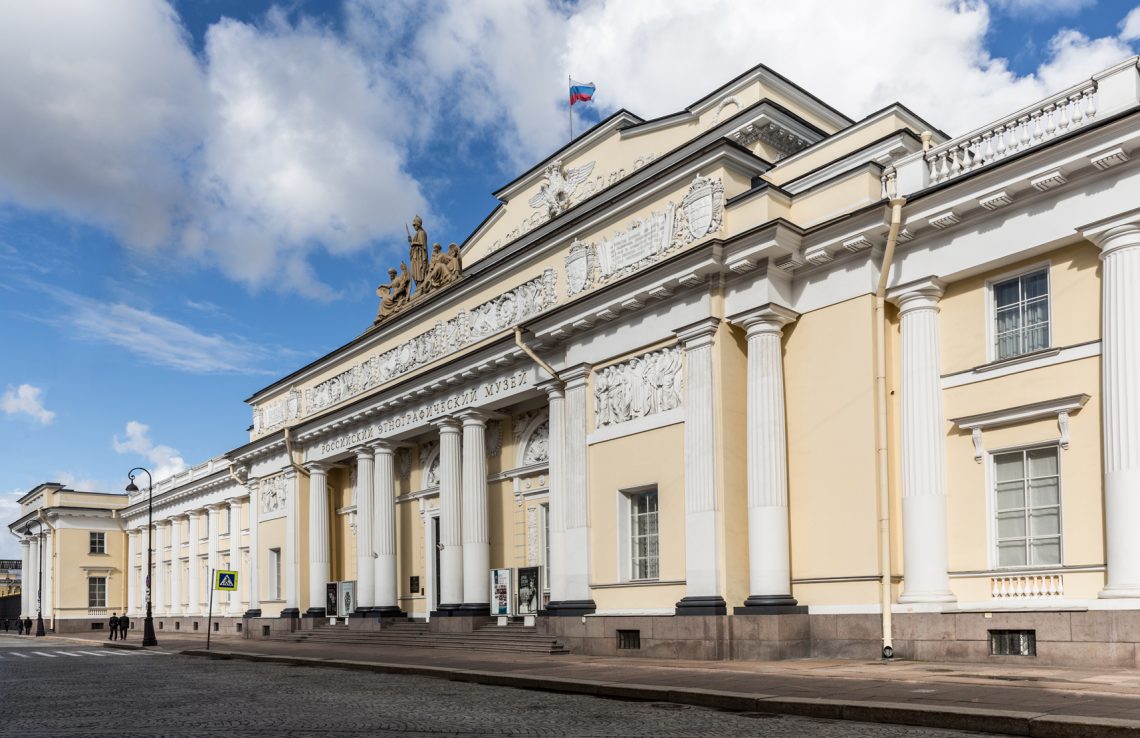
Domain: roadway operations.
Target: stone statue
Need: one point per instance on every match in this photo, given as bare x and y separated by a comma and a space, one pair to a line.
456, 263
443, 269
418, 255
393, 295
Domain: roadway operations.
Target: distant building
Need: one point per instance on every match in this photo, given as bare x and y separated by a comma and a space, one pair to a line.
10, 570
751, 380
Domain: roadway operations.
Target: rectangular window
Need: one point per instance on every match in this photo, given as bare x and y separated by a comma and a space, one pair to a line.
1013, 643
274, 574
96, 591
98, 543
1027, 496
643, 535
544, 513
1021, 315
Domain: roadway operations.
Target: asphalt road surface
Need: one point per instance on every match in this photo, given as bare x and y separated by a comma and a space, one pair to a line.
55, 687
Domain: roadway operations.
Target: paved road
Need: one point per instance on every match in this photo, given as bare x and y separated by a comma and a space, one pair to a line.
53, 687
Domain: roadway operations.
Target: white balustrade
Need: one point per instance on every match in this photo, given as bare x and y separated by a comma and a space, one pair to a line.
1014, 134
1027, 587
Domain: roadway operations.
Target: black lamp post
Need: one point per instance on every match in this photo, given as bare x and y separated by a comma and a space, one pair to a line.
40, 572
148, 622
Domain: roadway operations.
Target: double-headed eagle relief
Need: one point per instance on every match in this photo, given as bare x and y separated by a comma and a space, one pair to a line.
559, 187
428, 272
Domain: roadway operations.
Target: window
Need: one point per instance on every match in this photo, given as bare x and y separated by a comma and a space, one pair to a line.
1021, 314
98, 543
544, 528
274, 574
97, 592
643, 535
1027, 497
1013, 643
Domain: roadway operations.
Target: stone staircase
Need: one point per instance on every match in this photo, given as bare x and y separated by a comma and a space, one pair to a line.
512, 638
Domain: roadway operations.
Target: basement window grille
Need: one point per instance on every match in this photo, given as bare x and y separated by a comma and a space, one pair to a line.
1013, 643
265, 631
629, 639
217, 627
195, 626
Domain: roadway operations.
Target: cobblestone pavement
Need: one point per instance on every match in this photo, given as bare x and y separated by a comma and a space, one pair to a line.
172, 695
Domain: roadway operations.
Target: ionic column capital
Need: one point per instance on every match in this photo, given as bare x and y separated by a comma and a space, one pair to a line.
1111, 234
770, 318
696, 335
576, 376
921, 295
553, 388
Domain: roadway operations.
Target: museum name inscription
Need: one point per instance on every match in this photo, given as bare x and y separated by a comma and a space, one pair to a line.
427, 412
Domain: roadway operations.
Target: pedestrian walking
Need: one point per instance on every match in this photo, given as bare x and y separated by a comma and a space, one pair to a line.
19, 627
27, 626
124, 626
114, 624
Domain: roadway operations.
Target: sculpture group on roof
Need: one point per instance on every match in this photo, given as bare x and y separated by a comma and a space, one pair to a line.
426, 275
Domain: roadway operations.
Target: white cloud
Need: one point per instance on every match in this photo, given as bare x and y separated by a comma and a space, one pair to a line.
81, 484
285, 138
165, 460
163, 341
1130, 26
26, 399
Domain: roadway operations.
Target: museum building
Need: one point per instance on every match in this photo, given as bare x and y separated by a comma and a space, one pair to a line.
752, 380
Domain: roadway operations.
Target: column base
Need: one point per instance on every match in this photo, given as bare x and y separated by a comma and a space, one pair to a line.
569, 608
770, 605
908, 598
1127, 591
714, 605
316, 612
252, 613
445, 611
387, 611
290, 612
474, 608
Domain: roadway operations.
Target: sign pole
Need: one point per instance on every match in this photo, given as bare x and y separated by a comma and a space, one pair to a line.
570, 105
210, 610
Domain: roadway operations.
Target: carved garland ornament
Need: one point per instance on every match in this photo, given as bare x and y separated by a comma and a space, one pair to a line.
643, 386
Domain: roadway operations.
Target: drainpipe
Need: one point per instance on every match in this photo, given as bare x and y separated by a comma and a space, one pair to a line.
530, 352
880, 333
289, 452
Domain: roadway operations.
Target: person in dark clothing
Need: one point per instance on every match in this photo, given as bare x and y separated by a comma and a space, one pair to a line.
124, 626
27, 626
114, 624
19, 627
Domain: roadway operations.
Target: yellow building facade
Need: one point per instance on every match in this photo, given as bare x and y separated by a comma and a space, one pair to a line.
752, 380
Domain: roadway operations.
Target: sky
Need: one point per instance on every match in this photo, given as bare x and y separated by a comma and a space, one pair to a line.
198, 197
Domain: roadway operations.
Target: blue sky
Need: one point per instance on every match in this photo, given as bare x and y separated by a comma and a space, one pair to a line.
198, 198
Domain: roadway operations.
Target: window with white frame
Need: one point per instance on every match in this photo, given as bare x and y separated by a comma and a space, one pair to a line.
1021, 314
544, 549
1027, 496
274, 573
98, 543
97, 591
643, 537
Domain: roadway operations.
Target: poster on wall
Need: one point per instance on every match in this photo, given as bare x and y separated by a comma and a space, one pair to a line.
501, 592
347, 599
331, 592
529, 589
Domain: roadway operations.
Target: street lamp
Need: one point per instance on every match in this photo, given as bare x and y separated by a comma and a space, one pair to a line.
40, 592
148, 622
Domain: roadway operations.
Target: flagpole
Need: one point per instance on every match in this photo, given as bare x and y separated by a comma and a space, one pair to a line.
570, 105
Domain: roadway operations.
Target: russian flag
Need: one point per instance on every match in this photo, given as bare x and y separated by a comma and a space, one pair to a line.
581, 91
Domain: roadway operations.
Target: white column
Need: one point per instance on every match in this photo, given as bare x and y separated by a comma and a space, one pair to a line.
193, 583
49, 577
25, 576
131, 570
235, 554
476, 543
365, 527
556, 443
213, 531
769, 565
450, 525
253, 578
292, 546
1119, 242
33, 572
159, 596
318, 538
702, 530
385, 590
923, 436
175, 603
575, 508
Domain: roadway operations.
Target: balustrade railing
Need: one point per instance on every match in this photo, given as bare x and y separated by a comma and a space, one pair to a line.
1019, 132
1027, 587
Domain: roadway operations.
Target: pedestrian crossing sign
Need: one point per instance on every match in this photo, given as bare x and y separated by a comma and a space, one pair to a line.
225, 580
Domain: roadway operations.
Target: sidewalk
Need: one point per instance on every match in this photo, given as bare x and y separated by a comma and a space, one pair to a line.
1005, 699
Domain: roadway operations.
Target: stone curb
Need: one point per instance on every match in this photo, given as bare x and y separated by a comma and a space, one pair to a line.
1011, 722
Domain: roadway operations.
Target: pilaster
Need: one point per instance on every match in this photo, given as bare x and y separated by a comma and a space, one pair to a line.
925, 556
703, 594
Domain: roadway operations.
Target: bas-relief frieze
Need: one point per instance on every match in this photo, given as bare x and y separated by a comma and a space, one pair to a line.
643, 386
272, 493
647, 240
537, 449
274, 414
